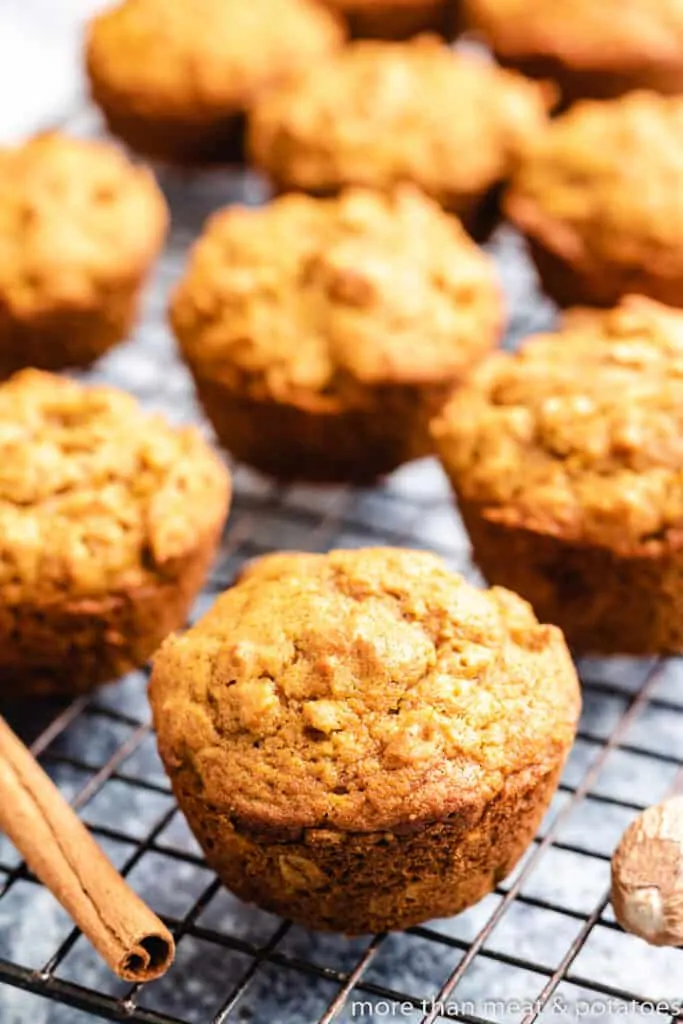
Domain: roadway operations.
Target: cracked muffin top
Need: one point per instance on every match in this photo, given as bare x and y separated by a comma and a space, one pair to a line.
200, 56
381, 113
324, 297
639, 31
76, 220
603, 183
95, 493
361, 690
580, 433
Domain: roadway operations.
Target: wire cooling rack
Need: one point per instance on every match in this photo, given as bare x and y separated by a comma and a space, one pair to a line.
544, 945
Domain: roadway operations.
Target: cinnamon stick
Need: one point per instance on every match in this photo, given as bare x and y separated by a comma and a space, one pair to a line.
61, 852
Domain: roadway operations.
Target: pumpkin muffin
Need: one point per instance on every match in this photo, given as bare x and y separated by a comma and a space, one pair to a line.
599, 199
567, 459
109, 518
396, 19
174, 79
378, 114
79, 229
361, 740
323, 333
592, 48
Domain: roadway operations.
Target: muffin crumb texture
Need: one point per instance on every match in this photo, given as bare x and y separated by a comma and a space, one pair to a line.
580, 431
329, 296
103, 508
378, 114
174, 79
342, 711
79, 229
598, 197
567, 461
567, 41
322, 334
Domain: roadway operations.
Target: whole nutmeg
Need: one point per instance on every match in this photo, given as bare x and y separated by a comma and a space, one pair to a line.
647, 875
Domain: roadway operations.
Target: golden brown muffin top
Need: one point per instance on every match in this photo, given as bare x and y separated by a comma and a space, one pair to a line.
199, 57
77, 219
96, 495
584, 33
380, 113
580, 433
320, 297
361, 690
603, 183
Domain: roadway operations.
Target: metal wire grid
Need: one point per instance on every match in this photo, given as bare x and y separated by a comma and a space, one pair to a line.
551, 945
354, 982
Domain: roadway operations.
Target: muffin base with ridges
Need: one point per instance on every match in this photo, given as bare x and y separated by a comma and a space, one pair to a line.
358, 883
68, 337
361, 741
570, 285
214, 142
576, 83
321, 443
590, 280
605, 602
69, 647
399, 19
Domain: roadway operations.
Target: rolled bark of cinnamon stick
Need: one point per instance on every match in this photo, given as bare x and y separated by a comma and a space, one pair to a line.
61, 852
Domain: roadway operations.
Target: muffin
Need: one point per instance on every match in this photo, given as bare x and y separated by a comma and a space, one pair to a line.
396, 19
361, 740
322, 334
378, 114
174, 79
109, 518
592, 48
79, 229
599, 199
567, 459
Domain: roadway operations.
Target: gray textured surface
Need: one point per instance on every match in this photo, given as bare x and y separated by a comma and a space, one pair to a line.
413, 507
